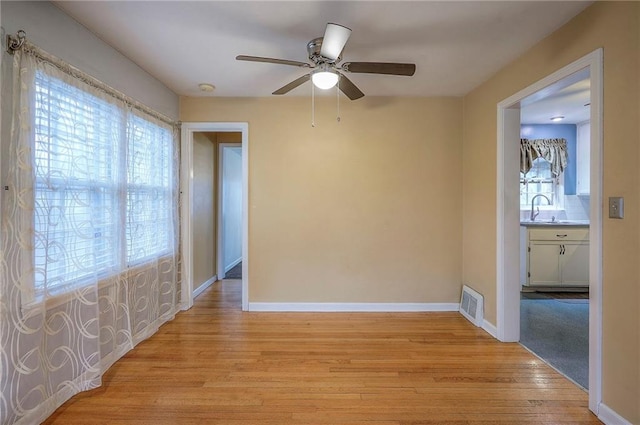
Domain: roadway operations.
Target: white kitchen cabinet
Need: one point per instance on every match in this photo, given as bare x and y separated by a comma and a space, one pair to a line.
558, 256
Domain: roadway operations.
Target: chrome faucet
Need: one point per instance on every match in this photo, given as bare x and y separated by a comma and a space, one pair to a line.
535, 214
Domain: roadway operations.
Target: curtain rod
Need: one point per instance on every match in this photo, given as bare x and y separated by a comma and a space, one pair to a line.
19, 42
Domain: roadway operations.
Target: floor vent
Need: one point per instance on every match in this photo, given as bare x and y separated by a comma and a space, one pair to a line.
471, 305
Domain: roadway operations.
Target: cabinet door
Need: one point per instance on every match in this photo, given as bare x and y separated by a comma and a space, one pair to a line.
544, 263
575, 265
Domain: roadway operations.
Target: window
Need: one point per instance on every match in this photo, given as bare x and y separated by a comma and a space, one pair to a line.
539, 180
149, 192
103, 187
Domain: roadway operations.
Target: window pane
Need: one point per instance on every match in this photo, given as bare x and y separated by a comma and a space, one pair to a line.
150, 154
149, 230
74, 234
149, 193
76, 160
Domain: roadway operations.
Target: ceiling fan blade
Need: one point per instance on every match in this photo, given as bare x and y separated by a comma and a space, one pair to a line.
348, 88
292, 85
388, 68
272, 60
335, 37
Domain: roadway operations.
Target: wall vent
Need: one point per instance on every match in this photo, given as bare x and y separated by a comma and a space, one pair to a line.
471, 305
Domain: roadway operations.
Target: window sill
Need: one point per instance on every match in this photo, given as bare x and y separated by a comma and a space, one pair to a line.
38, 306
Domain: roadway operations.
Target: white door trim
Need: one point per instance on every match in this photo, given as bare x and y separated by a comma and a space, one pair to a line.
508, 282
186, 207
221, 272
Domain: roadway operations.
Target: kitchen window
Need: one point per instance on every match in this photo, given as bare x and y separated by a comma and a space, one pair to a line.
540, 180
542, 164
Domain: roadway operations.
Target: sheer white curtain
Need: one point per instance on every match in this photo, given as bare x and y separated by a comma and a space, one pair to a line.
89, 234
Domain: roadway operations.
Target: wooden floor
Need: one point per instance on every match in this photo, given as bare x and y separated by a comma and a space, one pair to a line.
217, 365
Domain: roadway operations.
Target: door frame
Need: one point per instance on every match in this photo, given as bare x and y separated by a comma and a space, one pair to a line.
186, 204
508, 250
221, 272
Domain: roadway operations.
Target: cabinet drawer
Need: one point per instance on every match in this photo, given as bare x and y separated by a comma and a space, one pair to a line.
559, 234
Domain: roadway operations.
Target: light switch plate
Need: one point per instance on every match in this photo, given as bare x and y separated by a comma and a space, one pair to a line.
616, 207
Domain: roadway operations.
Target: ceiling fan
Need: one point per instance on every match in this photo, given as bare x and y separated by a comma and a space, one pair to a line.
324, 53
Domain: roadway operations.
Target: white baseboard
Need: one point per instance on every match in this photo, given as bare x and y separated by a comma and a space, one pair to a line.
233, 264
490, 329
610, 417
204, 286
353, 307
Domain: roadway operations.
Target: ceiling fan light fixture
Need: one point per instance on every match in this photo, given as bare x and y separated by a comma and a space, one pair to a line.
324, 55
324, 79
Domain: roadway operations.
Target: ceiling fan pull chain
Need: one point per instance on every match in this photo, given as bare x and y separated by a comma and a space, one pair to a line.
338, 97
313, 106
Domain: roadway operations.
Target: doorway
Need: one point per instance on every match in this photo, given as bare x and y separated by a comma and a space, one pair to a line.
554, 272
508, 213
187, 204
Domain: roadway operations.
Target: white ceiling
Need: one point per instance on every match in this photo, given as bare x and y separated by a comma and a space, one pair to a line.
571, 102
456, 45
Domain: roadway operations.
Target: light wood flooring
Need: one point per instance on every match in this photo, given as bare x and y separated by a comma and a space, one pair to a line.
215, 364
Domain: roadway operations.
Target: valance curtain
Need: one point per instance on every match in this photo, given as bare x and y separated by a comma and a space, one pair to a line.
89, 234
553, 150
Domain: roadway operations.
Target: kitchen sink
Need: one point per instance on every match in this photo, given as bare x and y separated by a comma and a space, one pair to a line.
555, 223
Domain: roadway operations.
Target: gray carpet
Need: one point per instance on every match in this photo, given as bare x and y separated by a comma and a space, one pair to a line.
235, 272
557, 330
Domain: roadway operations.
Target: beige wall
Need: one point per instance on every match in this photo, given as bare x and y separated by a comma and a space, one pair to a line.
365, 210
613, 26
204, 218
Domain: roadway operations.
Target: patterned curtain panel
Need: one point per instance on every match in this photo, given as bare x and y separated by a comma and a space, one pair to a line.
89, 235
553, 150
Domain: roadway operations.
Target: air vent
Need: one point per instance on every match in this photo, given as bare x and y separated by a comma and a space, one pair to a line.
471, 305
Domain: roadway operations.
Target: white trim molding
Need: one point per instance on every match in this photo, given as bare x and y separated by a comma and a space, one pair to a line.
610, 417
507, 271
490, 328
200, 289
186, 188
354, 307
232, 265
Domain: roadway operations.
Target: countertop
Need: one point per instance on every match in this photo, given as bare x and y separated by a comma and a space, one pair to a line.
557, 223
